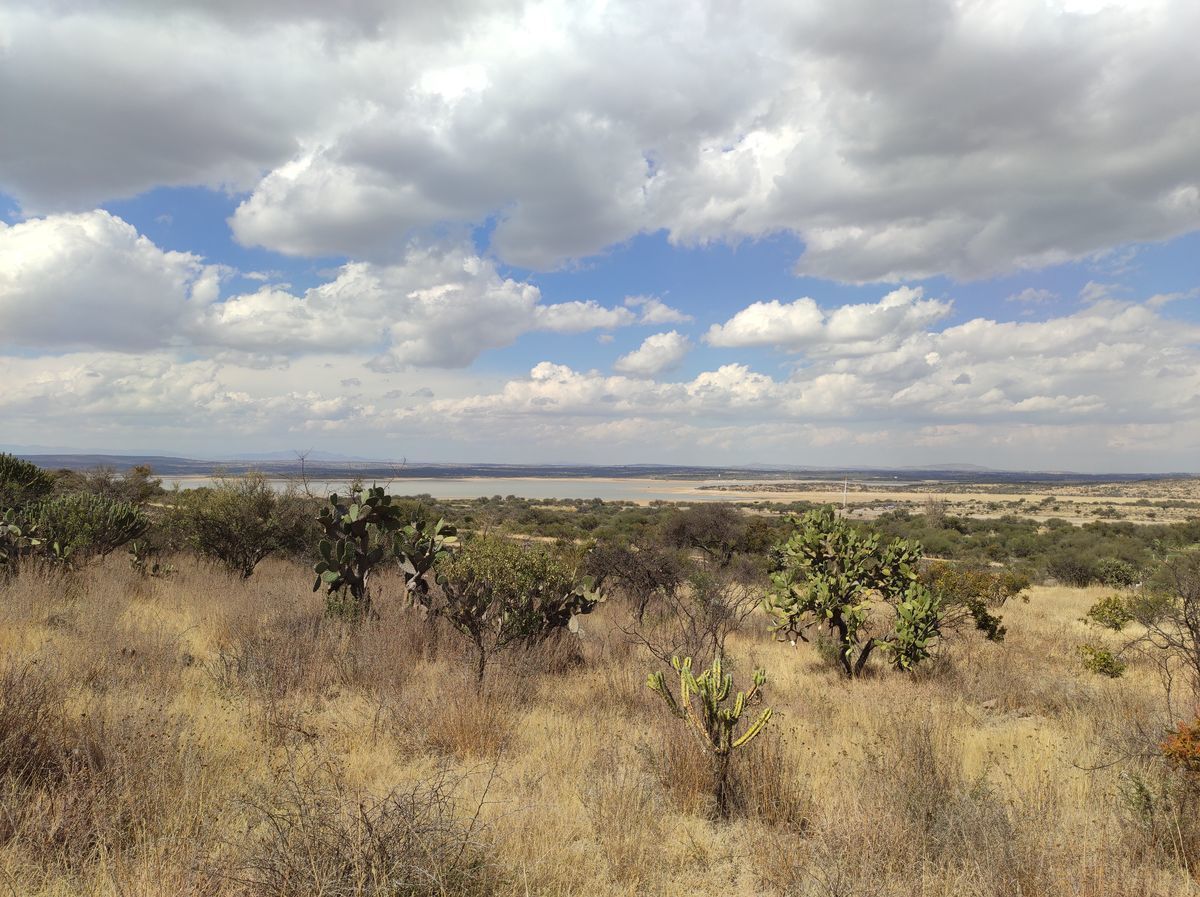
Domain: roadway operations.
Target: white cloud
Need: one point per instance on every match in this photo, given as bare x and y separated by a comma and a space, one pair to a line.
655, 311
875, 134
90, 280
803, 323
658, 353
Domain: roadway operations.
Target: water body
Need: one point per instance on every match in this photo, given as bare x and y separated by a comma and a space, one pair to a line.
614, 489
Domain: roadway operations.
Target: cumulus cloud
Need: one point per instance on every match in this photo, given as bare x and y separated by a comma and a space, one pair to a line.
90, 280
654, 311
803, 324
658, 353
876, 136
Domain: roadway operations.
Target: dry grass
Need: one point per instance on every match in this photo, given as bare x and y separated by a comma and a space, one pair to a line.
204, 736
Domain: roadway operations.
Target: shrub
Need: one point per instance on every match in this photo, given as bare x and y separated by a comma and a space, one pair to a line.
1181, 749
243, 520
1071, 570
828, 574
1170, 612
704, 704
497, 593
318, 836
1117, 574
1101, 661
714, 528
1112, 613
971, 593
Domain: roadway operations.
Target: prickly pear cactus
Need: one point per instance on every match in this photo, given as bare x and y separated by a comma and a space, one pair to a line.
357, 534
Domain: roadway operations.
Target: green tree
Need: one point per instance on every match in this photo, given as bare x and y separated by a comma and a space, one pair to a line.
497, 593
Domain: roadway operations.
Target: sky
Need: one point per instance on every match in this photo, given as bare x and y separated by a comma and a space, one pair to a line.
809, 232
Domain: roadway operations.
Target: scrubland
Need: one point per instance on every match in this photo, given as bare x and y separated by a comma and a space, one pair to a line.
201, 734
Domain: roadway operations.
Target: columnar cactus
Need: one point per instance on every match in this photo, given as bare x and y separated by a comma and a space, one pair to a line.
704, 704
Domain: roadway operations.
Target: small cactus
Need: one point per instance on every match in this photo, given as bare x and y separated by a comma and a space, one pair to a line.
704, 703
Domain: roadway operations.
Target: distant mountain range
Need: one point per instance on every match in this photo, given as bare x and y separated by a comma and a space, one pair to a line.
329, 466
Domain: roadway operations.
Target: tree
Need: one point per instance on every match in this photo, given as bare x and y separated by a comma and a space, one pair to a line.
497, 593
830, 573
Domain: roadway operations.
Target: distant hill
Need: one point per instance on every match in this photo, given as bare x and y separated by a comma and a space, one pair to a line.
333, 467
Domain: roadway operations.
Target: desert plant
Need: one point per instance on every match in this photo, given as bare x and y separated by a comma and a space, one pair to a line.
1101, 661
144, 559
241, 521
696, 616
418, 547
1170, 614
81, 525
830, 573
1181, 749
714, 528
1117, 574
971, 593
704, 704
1112, 613
358, 534
497, 593
21, 482
17, 540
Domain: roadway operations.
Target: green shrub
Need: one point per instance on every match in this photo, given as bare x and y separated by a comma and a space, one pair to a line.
242, 520
496, 593
1117, 574
1101, 661
1112, 613
972, 593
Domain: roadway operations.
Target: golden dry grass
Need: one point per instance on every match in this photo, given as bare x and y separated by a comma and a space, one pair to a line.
208, 702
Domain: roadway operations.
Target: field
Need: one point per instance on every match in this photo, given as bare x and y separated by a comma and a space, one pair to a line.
209, 735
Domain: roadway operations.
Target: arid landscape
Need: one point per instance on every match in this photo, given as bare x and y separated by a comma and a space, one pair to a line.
172, 726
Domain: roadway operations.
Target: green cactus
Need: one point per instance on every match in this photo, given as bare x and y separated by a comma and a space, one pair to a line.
704, 704
81, 525
17, 540
419, 546
357, 534
21, 482
829, 573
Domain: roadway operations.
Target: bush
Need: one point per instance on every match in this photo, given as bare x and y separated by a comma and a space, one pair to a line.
1112, 613
1117, 574
1101, 661
243, 520
317, 836
971, 593
1071, 570
1182, 748
497, 593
